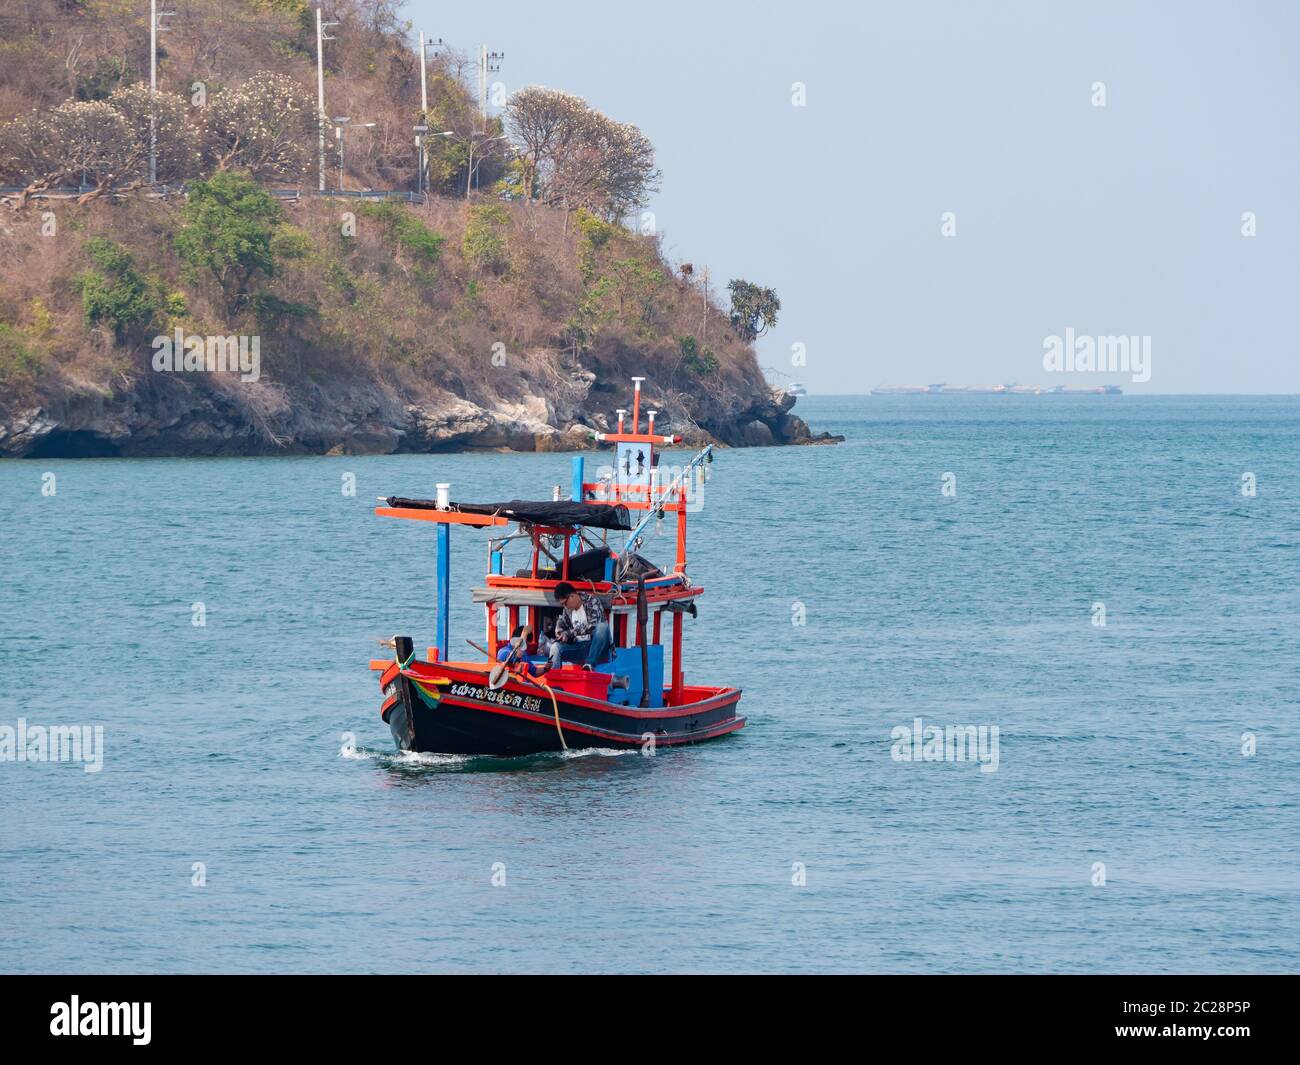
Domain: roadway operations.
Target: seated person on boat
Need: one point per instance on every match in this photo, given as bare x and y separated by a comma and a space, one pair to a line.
581, 631
517, 655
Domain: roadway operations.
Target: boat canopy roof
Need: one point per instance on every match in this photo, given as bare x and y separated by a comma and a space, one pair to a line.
562, 513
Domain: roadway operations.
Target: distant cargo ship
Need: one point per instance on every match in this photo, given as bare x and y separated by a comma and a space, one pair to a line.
905, 390
996, 390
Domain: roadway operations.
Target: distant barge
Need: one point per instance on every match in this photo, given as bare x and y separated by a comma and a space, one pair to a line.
996, 390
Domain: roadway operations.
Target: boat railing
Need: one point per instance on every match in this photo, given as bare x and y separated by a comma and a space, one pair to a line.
658, 507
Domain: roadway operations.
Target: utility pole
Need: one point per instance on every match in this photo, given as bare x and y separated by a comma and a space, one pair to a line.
424, 115
421, 141
153, 92
704, 291
321, 116
488, 63
155, 27
424, 81
482, 88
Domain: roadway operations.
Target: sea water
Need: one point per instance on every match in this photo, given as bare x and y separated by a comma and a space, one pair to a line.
1108, 587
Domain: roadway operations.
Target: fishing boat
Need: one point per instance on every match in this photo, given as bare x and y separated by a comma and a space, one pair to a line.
639, 698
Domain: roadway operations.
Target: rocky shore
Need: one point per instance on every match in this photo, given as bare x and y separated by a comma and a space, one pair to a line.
174, 418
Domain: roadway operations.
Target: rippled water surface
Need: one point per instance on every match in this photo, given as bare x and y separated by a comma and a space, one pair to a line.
1119, 745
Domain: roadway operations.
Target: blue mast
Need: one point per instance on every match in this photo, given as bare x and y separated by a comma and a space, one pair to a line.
444, 588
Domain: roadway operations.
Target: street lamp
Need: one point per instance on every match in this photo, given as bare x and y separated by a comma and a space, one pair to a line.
469, 177
422, 162
341, 123
419, 142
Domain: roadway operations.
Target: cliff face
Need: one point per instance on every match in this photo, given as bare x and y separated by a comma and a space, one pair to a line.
394, 331
342, 418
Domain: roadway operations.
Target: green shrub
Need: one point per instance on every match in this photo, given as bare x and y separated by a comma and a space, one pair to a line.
118, 294
111, 72
594, 235
338, 278
19, 360
289, 242
42, 321
700, 363
402, 229
483, 244
272, 311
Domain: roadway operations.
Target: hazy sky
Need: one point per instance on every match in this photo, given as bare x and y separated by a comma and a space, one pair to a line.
1123, 219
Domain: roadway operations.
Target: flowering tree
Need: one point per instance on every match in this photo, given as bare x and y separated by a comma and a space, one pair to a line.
630, 175
541, 122
177, 141
103, 143
86, 140
575, 157
266, 126
28, 153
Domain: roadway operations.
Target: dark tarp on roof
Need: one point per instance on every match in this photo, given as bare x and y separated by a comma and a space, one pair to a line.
566, 514
590, 566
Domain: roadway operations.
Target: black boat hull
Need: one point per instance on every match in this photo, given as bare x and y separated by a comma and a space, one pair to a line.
463, 716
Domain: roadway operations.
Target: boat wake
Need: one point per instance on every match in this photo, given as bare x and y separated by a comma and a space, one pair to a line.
404, 758
424, 760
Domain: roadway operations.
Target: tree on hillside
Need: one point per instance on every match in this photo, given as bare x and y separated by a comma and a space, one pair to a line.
27, 154
753, 309
540, 122
267, 127
88, 142
573, 178
104, 143
450, 109
577, 158
630, 173
229, 229
177, 141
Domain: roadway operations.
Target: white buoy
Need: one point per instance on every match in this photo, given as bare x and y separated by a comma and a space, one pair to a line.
444, 496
